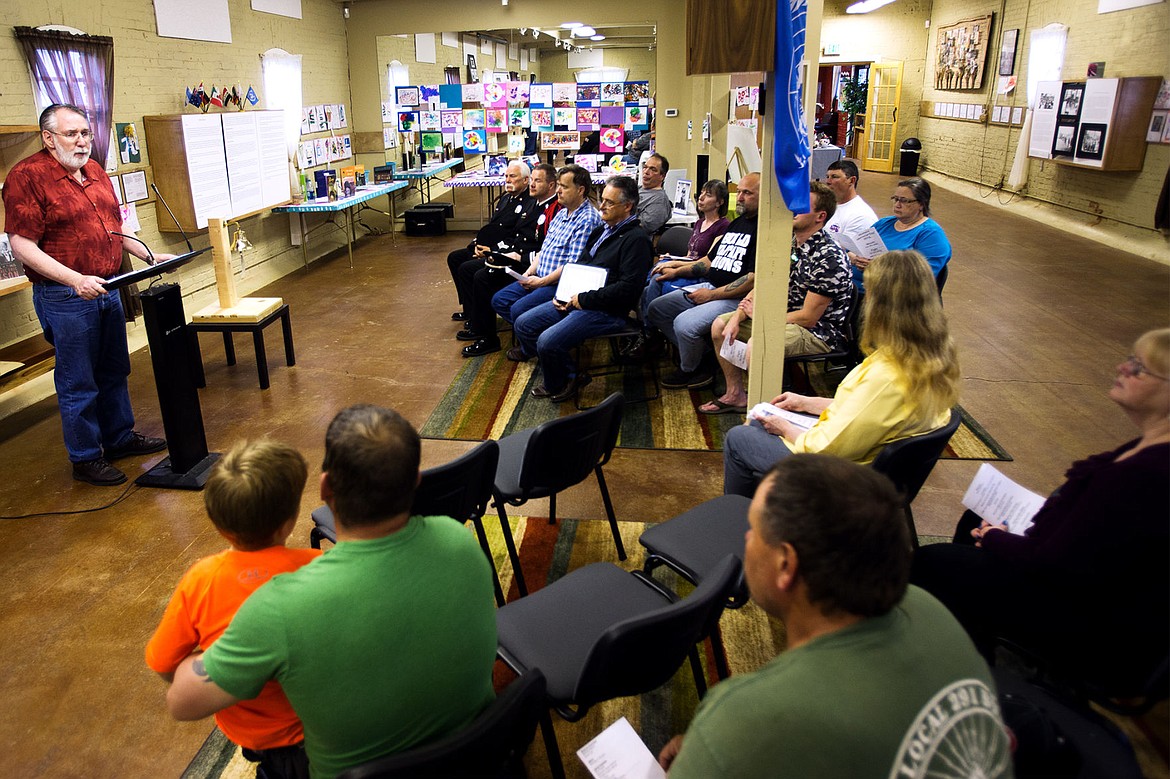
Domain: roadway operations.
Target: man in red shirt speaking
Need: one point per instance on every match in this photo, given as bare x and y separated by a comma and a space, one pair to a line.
64, 224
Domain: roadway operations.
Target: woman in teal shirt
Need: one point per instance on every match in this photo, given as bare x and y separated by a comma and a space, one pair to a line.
909, 228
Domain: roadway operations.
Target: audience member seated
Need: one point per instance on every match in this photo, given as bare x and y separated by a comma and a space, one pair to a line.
853, 214
551, 330
905, 386
499, 234
721, 280
253, 497
710, 227
909, 228
819, 288
542, 188
564, 243
653, 203
384, 643
1087, 587
877, 679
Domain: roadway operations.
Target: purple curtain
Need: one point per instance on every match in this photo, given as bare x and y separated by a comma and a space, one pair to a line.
77, 69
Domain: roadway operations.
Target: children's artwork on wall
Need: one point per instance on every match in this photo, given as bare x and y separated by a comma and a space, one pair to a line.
636, 118
321, 150
432, 141
541, 118
588, 92
518, 117
743, 96
429, 120
560, 140
389, 138
330, 117
518, 92
305, 118
613, 92
451, 121
962, 50
308, 154
565, 118
637, 92
540, 96
450, 96
564, 93
587, 161
472, 93
407, 121
474, 142
342, 121
429, 94
496, 120
495, 165
129, 150
314, 120
613, 115
588, 119
494, 96
515, 144
388, 109
473, 118
406, 96
346, 147
612, 139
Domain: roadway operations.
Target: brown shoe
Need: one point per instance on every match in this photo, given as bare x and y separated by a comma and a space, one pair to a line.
516, 354
578, 382
137, 443
540, 391
98, 472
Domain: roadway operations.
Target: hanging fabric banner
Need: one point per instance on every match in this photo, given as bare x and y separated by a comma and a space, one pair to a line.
790, 153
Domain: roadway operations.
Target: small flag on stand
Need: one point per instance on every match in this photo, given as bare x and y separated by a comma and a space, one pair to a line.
216, 100
253, 99
193, 98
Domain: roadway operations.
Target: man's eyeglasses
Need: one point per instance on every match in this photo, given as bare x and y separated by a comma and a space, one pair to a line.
607, 203
1135, 368
73, 135
902, 200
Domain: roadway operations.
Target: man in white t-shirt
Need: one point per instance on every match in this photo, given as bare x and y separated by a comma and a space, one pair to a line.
853, 214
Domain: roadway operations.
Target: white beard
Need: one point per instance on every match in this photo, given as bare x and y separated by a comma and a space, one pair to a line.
72, 161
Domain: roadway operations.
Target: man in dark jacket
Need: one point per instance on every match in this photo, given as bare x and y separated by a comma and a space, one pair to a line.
514, 215
552, 329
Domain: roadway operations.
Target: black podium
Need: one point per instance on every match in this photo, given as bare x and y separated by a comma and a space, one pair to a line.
189, 463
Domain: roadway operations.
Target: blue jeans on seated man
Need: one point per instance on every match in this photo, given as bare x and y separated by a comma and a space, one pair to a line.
686, 325
513, 301
93, 361
655, 289
551, 334
749, 452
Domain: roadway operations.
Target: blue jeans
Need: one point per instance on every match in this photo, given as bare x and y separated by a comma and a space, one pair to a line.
551, 334
749, 452
513, 301
686, 325
93, 362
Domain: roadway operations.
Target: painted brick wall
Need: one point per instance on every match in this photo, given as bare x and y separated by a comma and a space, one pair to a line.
1131, 43
641, 64
150, 74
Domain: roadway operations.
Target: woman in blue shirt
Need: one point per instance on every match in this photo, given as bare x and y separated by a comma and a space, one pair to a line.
909, 228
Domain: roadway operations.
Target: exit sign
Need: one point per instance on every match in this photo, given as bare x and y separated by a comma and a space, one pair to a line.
831, 49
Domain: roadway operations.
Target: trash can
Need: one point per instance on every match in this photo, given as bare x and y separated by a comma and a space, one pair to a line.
911, 151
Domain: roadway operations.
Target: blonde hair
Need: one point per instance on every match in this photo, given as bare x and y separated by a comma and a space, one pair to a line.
903, 317
254, 489
1155, 344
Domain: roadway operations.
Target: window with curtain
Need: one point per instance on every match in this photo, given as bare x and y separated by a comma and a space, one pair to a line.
282, 92
72, 67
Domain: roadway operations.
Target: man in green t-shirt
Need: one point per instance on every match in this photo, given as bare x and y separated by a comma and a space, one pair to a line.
878, 680
385, 642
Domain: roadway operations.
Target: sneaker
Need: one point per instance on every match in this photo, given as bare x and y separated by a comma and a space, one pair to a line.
137, 444
691, 380
98, 472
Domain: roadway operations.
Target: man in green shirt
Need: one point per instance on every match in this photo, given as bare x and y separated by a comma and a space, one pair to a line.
878, 679
386, 641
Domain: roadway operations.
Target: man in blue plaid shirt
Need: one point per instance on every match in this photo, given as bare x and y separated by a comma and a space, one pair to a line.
564, 243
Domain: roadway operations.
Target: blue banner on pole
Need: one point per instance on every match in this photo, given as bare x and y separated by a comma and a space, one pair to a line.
790, 153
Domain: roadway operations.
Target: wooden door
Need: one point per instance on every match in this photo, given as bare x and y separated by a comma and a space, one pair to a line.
881, 128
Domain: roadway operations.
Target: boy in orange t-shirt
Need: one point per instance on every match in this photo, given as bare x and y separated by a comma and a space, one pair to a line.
253, 497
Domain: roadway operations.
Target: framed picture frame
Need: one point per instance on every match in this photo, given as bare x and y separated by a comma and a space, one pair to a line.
1007, 52
960, 53
1091, 141
472, 70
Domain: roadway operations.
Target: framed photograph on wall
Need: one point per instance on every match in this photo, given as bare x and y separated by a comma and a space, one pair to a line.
1091, 142
960, 54
1007, 52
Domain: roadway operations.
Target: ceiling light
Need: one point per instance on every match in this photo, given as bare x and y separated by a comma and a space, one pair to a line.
583, 32
523, 30
866, 6
571, 25
535, 33
596, 37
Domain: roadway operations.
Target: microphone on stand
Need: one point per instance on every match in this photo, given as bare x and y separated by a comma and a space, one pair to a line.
149, 253
172, 213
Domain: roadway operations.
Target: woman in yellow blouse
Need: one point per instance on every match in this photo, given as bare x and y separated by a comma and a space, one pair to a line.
905, 386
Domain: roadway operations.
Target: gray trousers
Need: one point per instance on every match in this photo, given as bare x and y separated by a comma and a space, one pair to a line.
749, 452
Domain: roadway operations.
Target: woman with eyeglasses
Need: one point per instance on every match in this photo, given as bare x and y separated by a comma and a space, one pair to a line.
909, 228
1087, 587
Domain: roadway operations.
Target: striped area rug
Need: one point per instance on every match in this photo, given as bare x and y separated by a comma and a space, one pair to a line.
490, 398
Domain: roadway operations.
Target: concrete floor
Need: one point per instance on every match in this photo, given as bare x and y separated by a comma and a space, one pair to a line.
1041, 319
